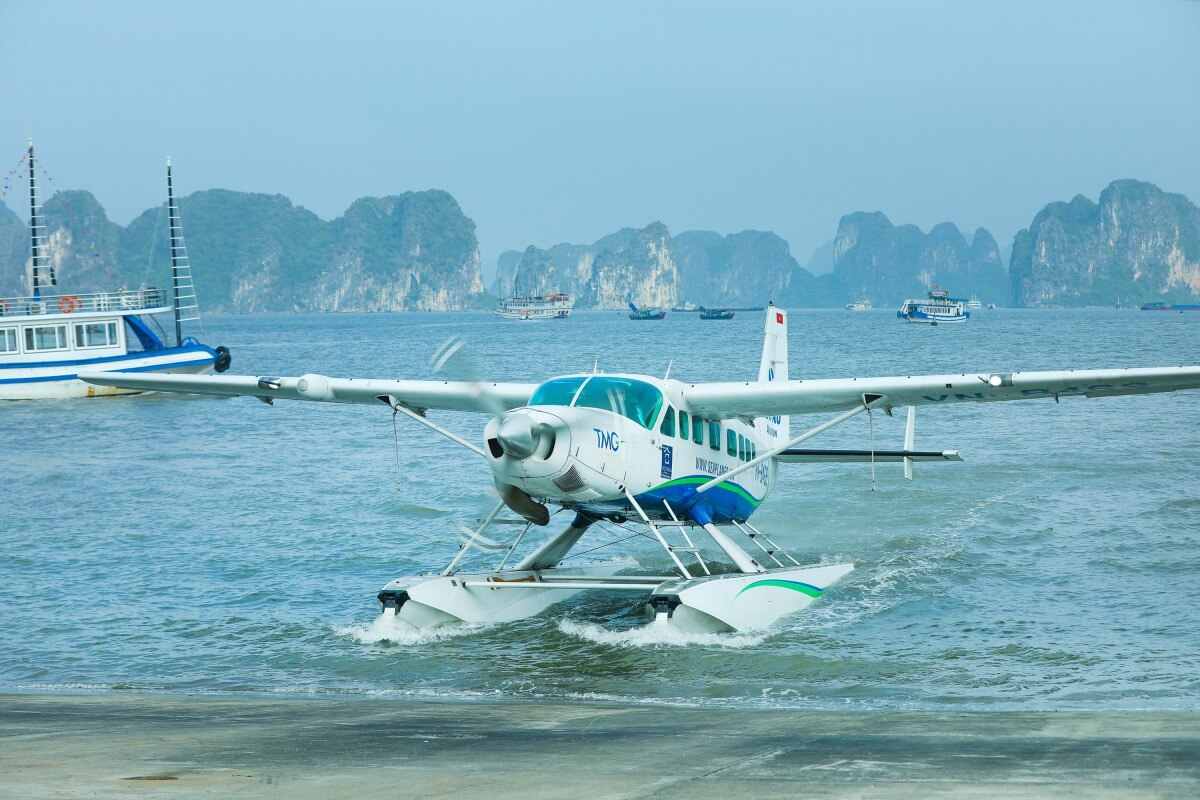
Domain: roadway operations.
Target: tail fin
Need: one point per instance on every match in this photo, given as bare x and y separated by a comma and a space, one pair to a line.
774, 364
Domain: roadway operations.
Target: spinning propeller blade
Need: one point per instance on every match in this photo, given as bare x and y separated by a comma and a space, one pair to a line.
450, 359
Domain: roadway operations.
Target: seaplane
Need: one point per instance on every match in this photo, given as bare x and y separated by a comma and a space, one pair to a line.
685, 464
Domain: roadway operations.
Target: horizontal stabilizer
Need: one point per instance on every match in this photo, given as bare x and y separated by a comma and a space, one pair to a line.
802, 456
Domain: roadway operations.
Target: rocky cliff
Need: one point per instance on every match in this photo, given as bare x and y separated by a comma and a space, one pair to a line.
256, 252
1138, 244
885, 263
741, 269
635, 265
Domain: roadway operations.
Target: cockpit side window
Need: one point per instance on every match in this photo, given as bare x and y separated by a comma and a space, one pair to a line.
557, 392
667, 426
636, 400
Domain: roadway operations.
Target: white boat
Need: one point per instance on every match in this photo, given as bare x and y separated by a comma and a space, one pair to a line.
859, 305
46, 339
549, 306
974, 303
938, 307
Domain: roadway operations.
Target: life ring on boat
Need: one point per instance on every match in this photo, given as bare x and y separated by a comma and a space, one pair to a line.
68, 303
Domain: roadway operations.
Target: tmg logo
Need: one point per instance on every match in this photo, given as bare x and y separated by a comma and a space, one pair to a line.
607, 440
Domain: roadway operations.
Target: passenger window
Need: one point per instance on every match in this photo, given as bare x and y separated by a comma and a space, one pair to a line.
714, 435
8, 340
47, 337
731, 442
684, 432
667, 428
741, 448
697, 430
96, 334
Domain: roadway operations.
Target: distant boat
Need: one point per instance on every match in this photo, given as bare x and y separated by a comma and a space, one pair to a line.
938, 307
47, 339
646, 313
1170, 307
687, 307
974, 303
549, 306
859, 305
992, 306
716, 313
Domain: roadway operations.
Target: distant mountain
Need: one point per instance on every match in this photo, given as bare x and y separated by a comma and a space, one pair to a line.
869, 258
821, 260
258, 252
885, 263
1138, 243
637, 265
740, 269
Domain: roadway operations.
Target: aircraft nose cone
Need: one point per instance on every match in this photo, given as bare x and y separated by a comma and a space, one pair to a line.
518, 436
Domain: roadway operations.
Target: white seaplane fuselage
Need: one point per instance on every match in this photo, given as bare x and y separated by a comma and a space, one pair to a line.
587, 456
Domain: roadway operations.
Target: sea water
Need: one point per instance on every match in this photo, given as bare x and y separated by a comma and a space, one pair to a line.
191, 544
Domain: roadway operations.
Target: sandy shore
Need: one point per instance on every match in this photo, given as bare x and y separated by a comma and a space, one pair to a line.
165, 746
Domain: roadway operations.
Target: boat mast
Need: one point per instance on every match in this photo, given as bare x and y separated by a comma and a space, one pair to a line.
183, 290
42, 273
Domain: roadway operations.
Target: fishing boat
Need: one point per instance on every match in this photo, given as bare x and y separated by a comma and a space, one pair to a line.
646, 313
47, 338
859, 305
937, 307
548, 306
974, 303
716, 313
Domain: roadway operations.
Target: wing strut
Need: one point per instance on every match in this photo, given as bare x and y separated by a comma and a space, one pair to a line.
428, 423
910, 435
868, 401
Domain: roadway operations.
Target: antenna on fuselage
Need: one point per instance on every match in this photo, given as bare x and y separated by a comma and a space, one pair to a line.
670, 364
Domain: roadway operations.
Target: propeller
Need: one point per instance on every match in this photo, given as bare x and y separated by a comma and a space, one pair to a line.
518, 435
451, 360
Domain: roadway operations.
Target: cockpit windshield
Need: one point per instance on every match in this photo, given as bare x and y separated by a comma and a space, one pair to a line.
636, 400
557, 392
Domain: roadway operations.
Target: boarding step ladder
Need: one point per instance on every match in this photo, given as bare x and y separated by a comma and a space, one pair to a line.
770, 549
657, 526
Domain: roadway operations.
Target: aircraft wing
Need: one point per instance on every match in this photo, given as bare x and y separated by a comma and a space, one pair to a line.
480, 396
768, 399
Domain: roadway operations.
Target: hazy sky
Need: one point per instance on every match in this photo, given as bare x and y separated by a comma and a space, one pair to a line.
564, 121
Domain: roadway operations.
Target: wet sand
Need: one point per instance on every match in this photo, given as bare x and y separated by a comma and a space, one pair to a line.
173, 746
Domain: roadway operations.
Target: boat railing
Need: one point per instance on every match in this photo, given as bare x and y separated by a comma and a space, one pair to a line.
124, 300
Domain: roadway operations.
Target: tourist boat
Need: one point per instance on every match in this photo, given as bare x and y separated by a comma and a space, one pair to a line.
859, 305
646, 313
938, 306
47, 338
716, 313
1170, 307
549, 306
974, 303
